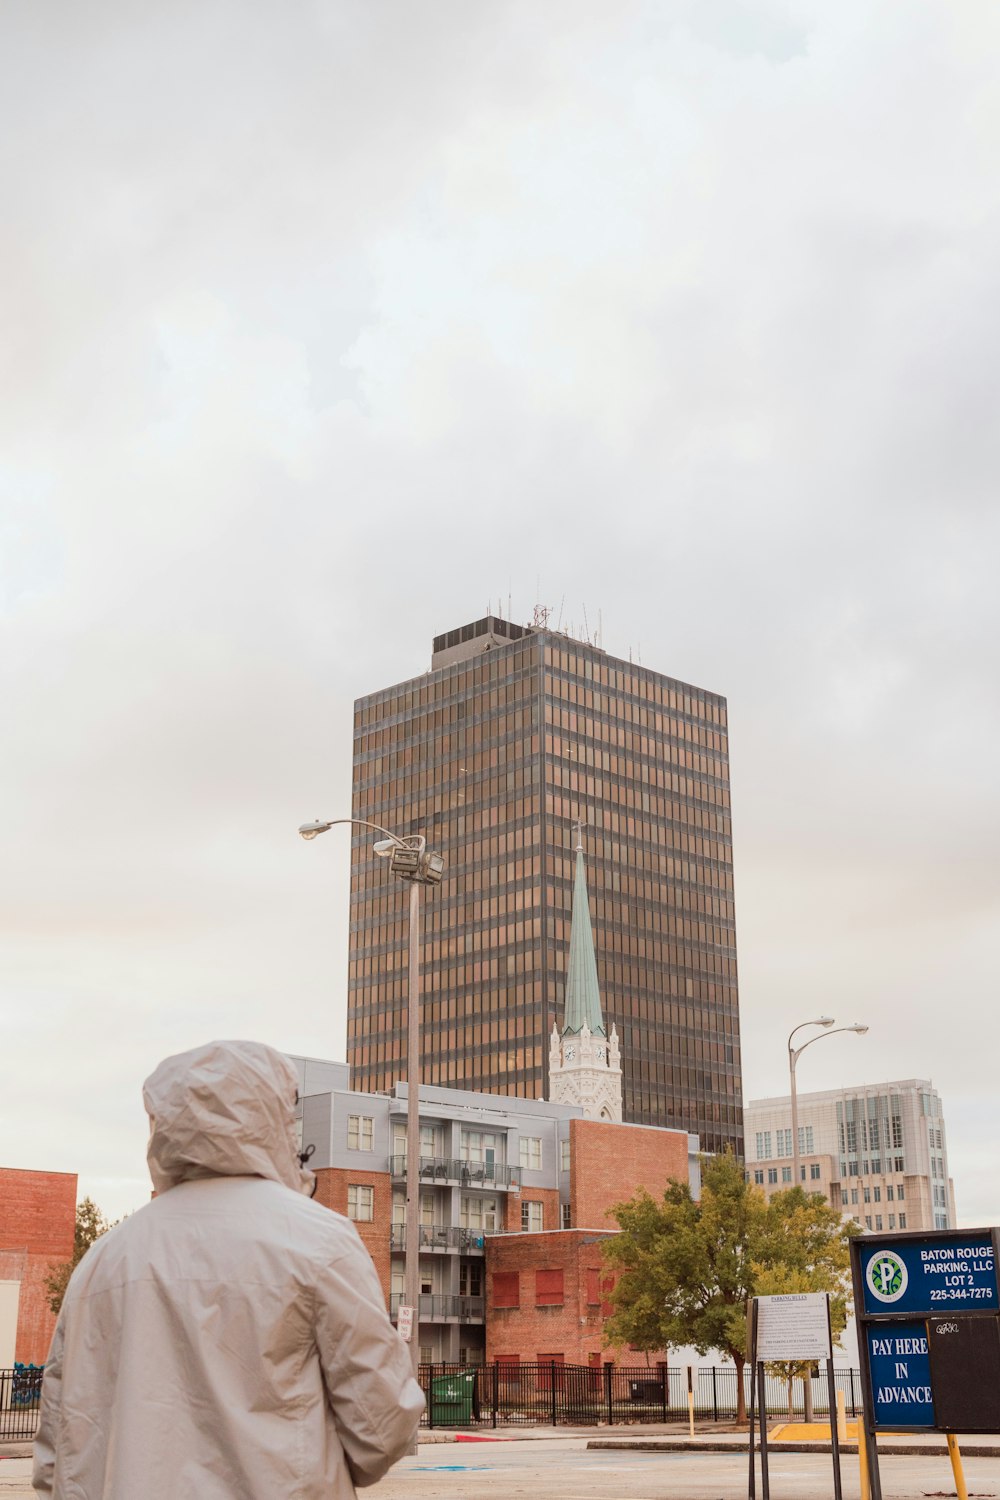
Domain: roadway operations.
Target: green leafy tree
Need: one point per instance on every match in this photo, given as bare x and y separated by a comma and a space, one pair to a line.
90, 1225
686, 1269
817, 1259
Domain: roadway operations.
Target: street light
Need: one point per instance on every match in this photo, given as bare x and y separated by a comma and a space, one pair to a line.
411, 860
794, 1053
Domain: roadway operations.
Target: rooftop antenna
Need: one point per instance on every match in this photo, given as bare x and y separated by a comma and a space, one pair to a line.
600, 631
561, 603
586, 627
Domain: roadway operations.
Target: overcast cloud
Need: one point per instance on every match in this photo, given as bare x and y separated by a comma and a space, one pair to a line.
324, 324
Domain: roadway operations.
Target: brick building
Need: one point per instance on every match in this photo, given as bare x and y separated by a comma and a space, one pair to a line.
37, 1220
548, 1298
494, 1171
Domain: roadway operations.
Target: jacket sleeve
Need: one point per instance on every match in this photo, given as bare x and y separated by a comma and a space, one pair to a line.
375, 1401
43, 1471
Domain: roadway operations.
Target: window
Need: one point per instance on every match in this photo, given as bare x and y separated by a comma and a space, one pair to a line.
478, 1213
806, 1147
878, 1221
877, 1193
772, 1174
758, 1176
763, 1145
531, 1216
506, 1289
531, 1153
868, 1194
549, 1288
902, 1221
854, 1195
480, 1146
814, 1171
892, 1221
565, 1216
868, 1221
564, 1156
360, 1132
899, 1193
360, 1202
470, 1279
889, 1192
593, 1287
786, 1174
783, 1142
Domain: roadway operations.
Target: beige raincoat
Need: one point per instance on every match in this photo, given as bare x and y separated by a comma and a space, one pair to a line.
229, 1341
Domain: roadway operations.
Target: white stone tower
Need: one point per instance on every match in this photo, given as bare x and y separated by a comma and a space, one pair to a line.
584, 1062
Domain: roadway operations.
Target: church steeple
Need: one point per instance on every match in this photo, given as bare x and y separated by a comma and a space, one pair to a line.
584, 1062
583, 993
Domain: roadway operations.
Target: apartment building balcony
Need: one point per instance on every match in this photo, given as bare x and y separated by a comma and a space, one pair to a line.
444, 1307
448, 1238
446, 1170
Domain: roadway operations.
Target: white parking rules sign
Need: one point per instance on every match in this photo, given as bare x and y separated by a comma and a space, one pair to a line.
404, 1322
794, 1327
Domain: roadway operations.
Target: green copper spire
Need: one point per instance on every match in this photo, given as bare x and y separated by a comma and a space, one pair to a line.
583, 995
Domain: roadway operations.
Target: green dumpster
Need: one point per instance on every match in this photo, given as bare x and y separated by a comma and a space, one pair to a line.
452, 1398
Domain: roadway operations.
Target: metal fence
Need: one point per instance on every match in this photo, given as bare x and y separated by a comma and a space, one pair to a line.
553, 1394
20, 1392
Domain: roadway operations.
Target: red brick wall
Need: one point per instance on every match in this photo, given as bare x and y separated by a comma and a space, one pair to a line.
37, 1219
331, 1191
547, 1197
573, 1329
609, 1163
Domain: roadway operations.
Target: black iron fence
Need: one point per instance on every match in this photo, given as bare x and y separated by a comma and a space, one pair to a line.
20, 1392
549, 1393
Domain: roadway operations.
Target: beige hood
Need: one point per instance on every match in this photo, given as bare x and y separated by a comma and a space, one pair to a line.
224, 1110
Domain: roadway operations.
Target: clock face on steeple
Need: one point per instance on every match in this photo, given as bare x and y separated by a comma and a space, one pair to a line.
570, 1053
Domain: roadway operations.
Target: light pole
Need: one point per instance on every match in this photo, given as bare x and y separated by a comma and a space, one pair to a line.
411, 860
794, 1053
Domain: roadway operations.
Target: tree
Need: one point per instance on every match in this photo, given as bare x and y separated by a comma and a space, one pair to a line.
687, 1269
90, 1225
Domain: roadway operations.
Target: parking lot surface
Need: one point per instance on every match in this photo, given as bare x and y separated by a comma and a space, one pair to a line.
564, 1469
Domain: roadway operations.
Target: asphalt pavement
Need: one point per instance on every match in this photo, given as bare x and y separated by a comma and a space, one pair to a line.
566, 1469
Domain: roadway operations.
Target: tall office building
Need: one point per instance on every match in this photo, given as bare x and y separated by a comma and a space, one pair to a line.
514, 734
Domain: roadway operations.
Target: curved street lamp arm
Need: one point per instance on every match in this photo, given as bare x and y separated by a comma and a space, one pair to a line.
365, 823
798, 1051
801, 1027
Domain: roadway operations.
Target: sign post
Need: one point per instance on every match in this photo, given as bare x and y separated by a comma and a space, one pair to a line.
928, 1308
790, 1329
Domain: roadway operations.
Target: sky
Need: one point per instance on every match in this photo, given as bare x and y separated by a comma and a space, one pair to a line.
326, 324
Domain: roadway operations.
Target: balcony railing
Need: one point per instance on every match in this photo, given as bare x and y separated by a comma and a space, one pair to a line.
444, 1307
466, 1173
441, 1237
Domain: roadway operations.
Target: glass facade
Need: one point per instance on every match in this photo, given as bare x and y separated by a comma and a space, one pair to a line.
493, 757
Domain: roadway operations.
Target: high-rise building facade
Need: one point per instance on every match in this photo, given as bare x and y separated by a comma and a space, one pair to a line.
878, 1152
513, 735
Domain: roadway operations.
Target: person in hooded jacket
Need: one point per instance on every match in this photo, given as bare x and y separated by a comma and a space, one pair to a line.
229, 1341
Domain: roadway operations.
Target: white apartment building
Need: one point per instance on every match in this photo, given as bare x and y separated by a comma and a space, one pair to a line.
878, 1152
